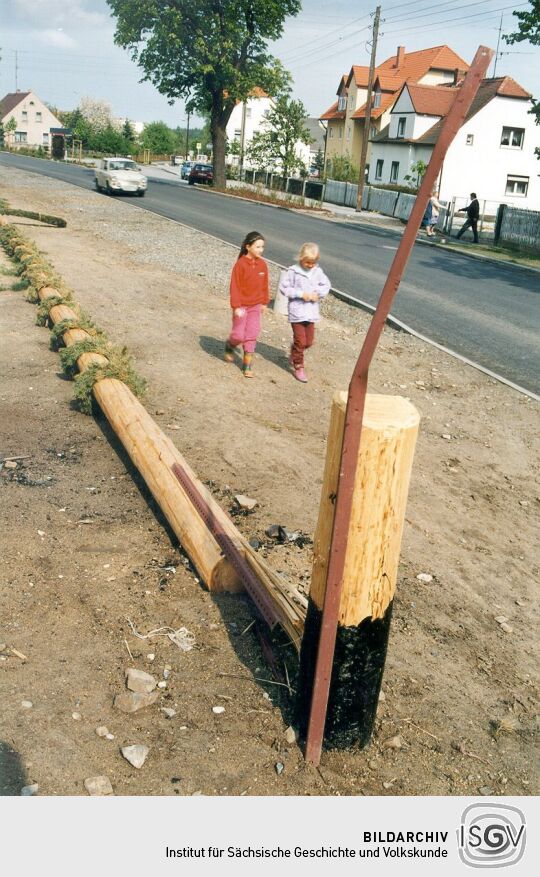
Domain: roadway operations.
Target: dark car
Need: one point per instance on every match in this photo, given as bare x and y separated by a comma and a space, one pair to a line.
201, 173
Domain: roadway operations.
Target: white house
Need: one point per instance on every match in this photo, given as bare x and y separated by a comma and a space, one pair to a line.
493, 153
251, 121
34, 120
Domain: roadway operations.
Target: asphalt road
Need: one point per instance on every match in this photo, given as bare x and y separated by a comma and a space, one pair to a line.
487, 312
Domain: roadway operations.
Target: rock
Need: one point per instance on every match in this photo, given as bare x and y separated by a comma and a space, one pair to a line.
447, 436
11, 464
162, 684
389, 783
26, 791
424, 577
255, 544
41, 532
279, 767
140, 681
217, 710
522, 502
168, 712
151, 656
166, 672
290, 735
98, 786
245, 502
102, 731
160, 411
393, 743
27, 704
132, 701
136, 754
382, 697
373, 764
109, 736
507, 627
517, 602
501, 619
485, 790
76, 716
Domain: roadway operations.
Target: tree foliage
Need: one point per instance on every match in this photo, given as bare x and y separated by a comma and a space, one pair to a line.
159, 138
276, 146
211, 53
528, 29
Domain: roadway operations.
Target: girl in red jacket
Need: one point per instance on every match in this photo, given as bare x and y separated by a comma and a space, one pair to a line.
249, 297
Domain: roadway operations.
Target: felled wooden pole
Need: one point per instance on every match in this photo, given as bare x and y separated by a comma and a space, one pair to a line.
389, 432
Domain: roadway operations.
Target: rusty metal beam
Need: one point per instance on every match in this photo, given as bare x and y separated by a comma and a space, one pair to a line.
356, 400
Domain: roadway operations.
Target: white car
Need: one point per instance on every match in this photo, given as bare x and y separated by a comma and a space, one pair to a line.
120, 175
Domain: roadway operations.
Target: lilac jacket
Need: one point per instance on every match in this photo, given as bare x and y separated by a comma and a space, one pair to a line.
294, 283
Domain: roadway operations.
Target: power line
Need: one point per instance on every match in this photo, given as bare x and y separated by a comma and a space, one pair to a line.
425, 14
485, 14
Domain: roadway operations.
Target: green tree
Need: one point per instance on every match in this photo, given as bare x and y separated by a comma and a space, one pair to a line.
418, 169
528, 29
212, 53
9, 129
158, 138
318, 161
128, 132
277, 145
341, 168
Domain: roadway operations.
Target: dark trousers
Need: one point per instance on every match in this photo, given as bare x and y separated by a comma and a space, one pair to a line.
469, 223
303, 337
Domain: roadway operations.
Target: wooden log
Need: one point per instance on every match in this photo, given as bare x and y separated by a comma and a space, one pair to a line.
154, 455
389, 432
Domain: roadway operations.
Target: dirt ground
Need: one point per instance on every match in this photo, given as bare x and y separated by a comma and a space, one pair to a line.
85, 550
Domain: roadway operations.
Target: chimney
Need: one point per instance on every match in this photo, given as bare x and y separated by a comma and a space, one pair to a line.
457, 76
400, 56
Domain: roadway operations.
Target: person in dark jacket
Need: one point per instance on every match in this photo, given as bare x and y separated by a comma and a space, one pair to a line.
473, 212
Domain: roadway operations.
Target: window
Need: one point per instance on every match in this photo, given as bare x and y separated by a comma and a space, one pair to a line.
513, 137
330, 132
377, 99
470, 139
378, 169
348, 132
342, 103
237, 133
38, 117
24, 116
394, 172
45, 138
514, 185
20, 136
340, 133
248, 112
373, 131
401, 126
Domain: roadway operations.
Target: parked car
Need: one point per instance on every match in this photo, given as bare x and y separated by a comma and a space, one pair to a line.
201, 173
176, 159
185, 170
120, 175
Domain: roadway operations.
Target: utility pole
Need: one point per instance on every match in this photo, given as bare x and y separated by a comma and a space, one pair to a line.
367, 122
16, 70
242, 139
497, 49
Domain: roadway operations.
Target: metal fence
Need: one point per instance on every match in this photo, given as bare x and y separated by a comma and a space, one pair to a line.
517, 227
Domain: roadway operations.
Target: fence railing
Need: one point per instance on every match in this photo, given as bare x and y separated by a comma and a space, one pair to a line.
516, 227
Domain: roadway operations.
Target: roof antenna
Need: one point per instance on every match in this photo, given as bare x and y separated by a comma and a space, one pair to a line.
497, 49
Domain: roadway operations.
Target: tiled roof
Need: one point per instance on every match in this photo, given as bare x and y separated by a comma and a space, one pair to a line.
430, 100
503, 86
333, 113
10, 101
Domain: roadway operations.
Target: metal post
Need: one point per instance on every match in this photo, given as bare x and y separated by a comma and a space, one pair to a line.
187, 137
355, 408
242, 140
498, 222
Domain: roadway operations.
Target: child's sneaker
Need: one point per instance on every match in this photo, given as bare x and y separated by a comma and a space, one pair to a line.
228, 356
300, 375
246, 366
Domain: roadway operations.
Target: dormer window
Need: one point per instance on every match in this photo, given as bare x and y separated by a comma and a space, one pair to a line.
377, 99
401, 126
342, 103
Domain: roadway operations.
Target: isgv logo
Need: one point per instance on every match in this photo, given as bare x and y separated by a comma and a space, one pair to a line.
491, 835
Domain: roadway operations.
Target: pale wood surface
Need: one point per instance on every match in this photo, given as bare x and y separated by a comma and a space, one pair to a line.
389, 433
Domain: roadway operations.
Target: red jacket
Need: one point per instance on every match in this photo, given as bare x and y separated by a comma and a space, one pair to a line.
249, 283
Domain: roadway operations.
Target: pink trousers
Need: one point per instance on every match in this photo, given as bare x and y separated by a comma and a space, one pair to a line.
245, 329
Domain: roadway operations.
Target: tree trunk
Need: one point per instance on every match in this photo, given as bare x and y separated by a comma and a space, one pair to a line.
218, 124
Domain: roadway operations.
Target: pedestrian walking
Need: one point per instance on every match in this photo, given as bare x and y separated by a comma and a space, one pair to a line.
304, 284
473, 212
249, 292
432, 213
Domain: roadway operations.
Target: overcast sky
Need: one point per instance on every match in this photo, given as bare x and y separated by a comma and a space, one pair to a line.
64, 50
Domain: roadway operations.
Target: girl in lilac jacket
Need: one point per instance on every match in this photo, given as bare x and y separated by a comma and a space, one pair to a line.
304, 284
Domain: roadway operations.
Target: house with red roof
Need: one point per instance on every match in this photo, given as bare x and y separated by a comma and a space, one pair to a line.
493, 153
345, 119
34, 120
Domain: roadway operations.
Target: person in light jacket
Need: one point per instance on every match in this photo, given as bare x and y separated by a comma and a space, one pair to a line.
304, 284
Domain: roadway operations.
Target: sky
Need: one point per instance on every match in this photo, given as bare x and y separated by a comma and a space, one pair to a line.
64, 49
